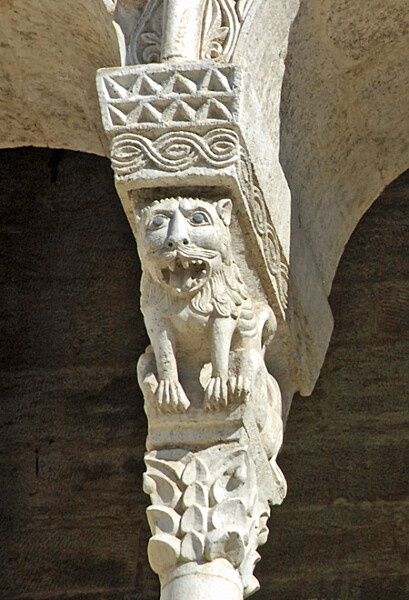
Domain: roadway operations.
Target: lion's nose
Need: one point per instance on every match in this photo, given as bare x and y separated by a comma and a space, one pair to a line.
177, 235
176, 243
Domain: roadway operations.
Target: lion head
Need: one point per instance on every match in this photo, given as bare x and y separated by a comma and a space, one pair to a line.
185, 248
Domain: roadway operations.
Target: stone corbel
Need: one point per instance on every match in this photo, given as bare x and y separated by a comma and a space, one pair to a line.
200, 181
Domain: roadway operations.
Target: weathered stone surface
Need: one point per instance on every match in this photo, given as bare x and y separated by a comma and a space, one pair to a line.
209, 397
343, 122
49, 53
159, 31
198, 125
344, 125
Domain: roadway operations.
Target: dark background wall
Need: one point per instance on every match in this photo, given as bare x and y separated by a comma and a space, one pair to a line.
72, 426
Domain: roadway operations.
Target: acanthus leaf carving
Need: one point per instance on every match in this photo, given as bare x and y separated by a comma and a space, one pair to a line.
230, 528
205, 505
214, 33
221, 27
145, 40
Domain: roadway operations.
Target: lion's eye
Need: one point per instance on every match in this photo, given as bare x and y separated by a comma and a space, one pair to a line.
158, 221
199, 218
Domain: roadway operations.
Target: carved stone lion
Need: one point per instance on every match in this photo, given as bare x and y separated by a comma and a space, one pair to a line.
198, 310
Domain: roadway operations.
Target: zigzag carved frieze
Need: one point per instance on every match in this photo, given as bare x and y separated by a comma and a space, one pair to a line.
153, 97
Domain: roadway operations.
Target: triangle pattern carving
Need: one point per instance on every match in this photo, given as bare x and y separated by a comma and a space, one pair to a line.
213, 109
183, 85
159, 84
217, 110
117, 116
148, 114
203, 111
218, 82
179, 111
144, 113
114, 89
145, 86
214, 81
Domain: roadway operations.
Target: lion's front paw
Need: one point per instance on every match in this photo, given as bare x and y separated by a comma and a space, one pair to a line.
239, 389
170, 397
221, 391
216, 394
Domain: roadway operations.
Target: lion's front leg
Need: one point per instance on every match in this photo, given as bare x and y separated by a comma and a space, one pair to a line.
170, 396
219, 387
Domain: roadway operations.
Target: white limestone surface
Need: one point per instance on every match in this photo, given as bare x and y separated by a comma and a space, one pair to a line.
49, 52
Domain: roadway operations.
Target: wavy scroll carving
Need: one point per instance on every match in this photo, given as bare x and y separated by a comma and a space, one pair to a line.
178, 151
276, 263
173, 151
214, 410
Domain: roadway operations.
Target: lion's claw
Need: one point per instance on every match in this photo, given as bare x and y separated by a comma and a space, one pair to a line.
220, 392
242, 389
170, 397
216, 394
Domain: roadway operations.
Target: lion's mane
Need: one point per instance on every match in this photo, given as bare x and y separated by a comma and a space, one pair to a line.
224, 293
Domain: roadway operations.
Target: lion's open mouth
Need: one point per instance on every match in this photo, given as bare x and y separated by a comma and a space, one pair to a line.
185, 274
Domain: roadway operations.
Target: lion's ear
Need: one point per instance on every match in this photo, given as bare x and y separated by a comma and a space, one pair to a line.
224, 208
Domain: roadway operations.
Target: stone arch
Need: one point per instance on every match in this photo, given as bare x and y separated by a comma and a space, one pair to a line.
343, 129
49, 54
344, 123
345, 450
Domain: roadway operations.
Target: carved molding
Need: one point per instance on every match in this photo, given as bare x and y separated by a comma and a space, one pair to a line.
155, 97
145, 41
173, 151
221, 28
216, 25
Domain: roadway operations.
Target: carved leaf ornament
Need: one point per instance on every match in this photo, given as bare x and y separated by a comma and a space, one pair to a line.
222, 21
212, 512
